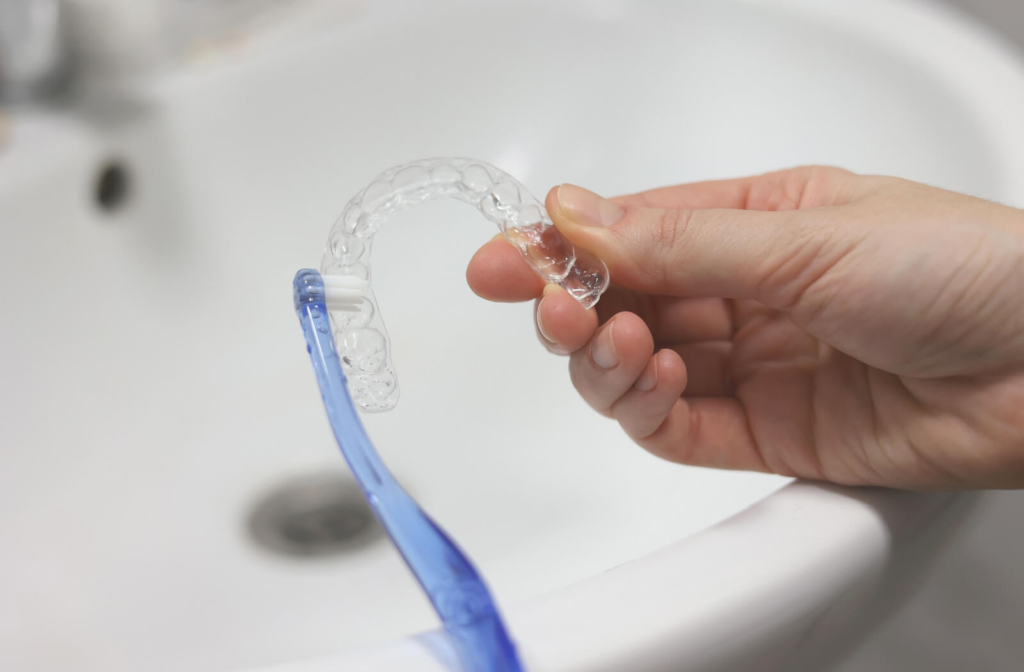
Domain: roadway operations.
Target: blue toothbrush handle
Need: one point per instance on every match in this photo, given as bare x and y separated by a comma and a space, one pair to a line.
449, 579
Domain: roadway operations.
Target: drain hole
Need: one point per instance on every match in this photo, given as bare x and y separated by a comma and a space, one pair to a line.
112, 186
314, 516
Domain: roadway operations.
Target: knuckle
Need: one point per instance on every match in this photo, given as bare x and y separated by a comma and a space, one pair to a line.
822, 186
806, 186
669, 226
668, 231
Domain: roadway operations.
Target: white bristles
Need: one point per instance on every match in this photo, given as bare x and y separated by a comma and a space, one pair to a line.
344, 292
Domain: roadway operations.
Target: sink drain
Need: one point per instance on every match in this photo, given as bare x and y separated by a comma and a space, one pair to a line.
314, 516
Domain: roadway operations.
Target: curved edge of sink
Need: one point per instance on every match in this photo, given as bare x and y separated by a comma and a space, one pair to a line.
839, 560
793, 581
972, 60
766, 589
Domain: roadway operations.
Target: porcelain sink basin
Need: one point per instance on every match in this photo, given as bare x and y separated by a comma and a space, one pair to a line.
154, 388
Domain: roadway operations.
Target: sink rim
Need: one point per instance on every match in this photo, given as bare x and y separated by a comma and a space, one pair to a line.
847, 558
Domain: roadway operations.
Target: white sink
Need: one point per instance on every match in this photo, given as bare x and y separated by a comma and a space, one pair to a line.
154, 385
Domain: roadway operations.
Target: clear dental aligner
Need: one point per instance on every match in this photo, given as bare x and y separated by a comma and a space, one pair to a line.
359, 332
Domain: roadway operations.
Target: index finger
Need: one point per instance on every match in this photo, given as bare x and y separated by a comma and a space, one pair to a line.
717, 194
497, 272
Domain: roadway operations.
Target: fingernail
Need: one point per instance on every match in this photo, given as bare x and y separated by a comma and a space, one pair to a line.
602, 351
648, 380
586, 208
540, 306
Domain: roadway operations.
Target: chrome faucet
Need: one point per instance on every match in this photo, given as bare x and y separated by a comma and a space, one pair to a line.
33, 49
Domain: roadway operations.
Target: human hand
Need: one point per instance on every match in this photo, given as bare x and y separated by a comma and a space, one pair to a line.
811, 322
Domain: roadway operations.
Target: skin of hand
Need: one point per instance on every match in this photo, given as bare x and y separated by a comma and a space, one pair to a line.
812, 322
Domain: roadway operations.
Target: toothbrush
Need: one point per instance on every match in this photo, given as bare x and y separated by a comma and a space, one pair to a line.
456, 590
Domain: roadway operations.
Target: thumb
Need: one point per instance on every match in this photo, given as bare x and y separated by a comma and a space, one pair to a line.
773, 257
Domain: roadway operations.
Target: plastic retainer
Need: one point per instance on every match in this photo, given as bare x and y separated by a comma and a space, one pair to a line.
359, 332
